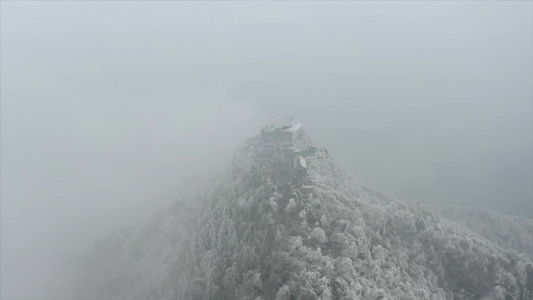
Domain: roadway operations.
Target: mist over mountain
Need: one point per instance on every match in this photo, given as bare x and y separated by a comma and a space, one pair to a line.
287, 222
505, 175
111, 111
524, 210
509, 232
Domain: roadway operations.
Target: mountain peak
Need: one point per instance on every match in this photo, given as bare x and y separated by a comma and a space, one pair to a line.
288, 223
282, 144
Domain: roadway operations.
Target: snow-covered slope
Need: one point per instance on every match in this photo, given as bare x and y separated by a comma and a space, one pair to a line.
507, 231
266, 232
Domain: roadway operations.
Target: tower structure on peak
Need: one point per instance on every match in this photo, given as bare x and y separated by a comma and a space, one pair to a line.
280, 137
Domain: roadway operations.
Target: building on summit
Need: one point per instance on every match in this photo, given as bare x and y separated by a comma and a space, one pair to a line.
300, 165
280, 137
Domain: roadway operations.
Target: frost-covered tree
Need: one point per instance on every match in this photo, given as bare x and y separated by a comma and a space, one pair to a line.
267, 232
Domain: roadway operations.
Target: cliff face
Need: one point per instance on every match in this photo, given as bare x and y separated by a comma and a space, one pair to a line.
270, 232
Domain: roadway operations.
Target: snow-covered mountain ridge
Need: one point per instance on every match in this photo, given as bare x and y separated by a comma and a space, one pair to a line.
510, 232
267, 232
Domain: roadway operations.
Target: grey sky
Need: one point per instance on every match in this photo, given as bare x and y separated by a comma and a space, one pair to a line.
111, 110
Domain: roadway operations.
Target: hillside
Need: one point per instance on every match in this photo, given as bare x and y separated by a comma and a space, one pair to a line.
506, 231
272, 230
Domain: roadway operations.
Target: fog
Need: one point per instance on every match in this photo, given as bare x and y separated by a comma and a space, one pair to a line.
112, 111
